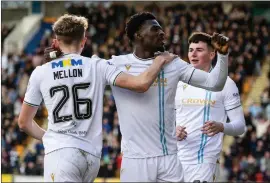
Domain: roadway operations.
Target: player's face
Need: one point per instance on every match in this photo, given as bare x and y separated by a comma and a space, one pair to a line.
152, 36
200, 56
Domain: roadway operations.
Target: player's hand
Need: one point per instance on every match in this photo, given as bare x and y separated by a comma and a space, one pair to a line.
181, 133
211, 128
220, 43
52, 52
165, 57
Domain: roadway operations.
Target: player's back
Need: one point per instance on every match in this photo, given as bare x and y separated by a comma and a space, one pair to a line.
72, 88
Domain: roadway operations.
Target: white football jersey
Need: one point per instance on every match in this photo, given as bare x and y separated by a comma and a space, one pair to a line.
194, 106
147, 120
72, 88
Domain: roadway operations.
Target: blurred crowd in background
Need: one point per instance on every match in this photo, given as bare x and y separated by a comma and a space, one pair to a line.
248, 157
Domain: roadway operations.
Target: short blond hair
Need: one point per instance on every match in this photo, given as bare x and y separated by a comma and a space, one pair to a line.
70, 28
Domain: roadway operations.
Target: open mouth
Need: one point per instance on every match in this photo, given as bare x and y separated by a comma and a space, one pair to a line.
194, 61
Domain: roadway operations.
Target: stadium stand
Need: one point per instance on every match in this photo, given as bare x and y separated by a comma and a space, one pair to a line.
248, 157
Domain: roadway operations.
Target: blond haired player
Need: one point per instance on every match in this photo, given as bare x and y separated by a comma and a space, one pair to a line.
201, 116
72, 88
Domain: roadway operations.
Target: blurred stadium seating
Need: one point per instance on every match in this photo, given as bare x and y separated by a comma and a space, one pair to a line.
245, 158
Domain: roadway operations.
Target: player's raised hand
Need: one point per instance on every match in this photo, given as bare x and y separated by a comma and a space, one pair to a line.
220, 43
52, 52
181, 133
165, 56
211, 128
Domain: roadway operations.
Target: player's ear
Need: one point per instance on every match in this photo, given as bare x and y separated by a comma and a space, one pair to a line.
137, 36
83, 42
212, 54
55, 43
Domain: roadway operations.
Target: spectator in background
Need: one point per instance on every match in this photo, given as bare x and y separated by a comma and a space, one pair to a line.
249, 43
261, 125
255, 109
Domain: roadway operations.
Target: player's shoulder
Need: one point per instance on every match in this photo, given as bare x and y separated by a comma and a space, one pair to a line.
177, 63
38, 73
40, 69
121, 59
95, 58
230, 88
230, 84
179, 60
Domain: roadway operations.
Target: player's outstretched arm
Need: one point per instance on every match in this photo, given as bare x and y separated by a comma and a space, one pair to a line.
27, 124
215, 80
142, 82
237, 124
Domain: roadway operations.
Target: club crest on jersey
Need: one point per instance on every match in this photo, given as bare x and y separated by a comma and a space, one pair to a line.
127, 66
66, 63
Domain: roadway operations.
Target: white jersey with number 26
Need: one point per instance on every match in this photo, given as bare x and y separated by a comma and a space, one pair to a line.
72, 88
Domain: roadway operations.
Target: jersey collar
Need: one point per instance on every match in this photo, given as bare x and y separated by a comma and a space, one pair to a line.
141, 60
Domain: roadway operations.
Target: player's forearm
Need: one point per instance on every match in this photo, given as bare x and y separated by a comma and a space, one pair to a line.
237, 125
216, 79
32, 129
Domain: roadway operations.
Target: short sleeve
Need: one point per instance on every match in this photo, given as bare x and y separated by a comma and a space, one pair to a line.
183, 69
231, 95
33, 96
109, 71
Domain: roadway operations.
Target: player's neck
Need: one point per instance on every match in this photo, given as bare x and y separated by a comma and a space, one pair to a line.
69, 50
142, 53
207, 68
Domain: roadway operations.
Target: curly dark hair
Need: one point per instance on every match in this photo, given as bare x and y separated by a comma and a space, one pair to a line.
135, 22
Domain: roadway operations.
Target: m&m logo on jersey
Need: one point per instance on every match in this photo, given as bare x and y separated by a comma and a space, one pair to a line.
66, 63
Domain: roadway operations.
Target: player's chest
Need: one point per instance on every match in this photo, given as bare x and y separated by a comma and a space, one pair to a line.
166, 77
133, 69
189, 97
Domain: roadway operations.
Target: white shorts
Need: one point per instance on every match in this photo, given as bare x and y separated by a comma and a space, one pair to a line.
157, 169
70, 165
202, 172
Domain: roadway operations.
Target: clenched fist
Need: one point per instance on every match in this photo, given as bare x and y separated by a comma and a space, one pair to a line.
220, 43
52, 52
